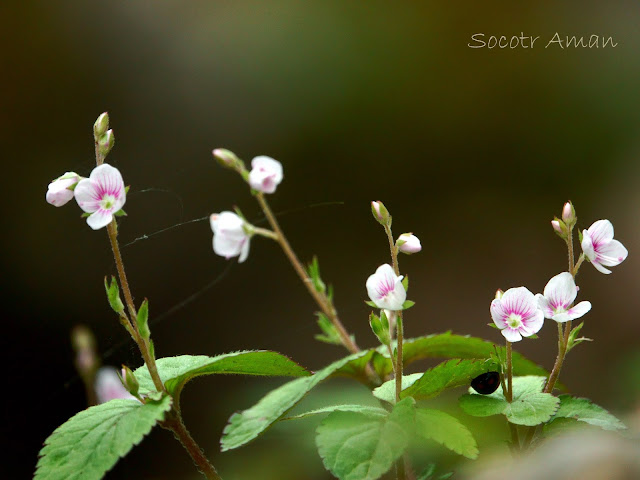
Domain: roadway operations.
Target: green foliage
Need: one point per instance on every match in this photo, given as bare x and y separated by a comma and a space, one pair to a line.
175, 372
329, 333
387, 391
408, 304
313, 270
245, 426
529, 406
583, 410
380, 327
450, 374
90, 443
354, 446
573, 337
446, 430
113, 294
143, 319
429, 474
364, 409
448, 345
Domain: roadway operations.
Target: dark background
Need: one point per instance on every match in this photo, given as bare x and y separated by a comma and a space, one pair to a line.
474, 150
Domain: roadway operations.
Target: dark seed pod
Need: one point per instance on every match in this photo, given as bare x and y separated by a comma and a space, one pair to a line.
486, 383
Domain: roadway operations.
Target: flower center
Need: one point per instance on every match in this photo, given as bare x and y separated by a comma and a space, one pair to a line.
514, 320
107, 202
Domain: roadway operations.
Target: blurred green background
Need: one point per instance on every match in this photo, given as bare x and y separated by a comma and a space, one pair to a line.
473, 150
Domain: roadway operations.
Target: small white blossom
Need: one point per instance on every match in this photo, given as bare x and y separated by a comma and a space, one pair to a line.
266, 174
229, 236
60, 190
559, 294
108, 386
385, 288
102, 195
600, 248
408, 243
516, 314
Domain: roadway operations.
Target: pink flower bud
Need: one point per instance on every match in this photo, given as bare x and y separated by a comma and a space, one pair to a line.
380, 213
108, 386
266, 174
408, 243
556, 226
230, 238
60, 191
226, 158
569, 214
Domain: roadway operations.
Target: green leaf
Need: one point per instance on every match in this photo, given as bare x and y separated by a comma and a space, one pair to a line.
329, 333
113, 294
446, 430
529, 406
450, 374
90, 443
371, 304
429, 471
245, 426
387, 391
120, 213
175, 372
448, 345
583, 410
408, 304
363, 409
357, 447
405, 283
143, 319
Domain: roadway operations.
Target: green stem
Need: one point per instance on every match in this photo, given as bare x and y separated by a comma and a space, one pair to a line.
515, 440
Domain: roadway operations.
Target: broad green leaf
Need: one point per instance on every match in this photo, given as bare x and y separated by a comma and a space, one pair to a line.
529, 406
446, 430
357, 447
247, 425
449, 374
90, 443
583, 410
355, 368
363, 409
175, 372
387, 391
448, 345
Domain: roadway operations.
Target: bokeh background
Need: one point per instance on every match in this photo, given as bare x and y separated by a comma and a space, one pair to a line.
474, 150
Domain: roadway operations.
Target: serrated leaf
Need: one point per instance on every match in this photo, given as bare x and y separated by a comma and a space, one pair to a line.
448, 345
446, 430
245, 426
387, 391
529, 406
357, 447
90, 443
175, 372
363, 409
450, 374
583, 410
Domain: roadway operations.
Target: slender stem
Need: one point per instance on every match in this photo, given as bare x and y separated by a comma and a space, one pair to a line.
399, 359
321, 299
509, 393
175, 424
143, 344
578, 264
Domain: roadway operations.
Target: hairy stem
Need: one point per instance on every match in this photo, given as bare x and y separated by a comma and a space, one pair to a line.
321, 299
175, 424
515, 440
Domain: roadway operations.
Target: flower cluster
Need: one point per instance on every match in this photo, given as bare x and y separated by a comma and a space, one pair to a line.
101, 196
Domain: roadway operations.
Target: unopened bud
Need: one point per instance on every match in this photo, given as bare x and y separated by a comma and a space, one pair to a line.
560, 227
408, 243
380, 213
569, 214
130, 381
106, 142
101, 126
226, 158
499, 294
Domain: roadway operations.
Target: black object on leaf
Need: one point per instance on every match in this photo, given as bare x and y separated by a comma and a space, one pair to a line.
486, 383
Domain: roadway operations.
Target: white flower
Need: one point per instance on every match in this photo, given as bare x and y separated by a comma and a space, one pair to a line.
559, 294
408, 243
229, 236
266, 174
102, 195
109, 386
385, 288
60, 190
600, 248
516, 313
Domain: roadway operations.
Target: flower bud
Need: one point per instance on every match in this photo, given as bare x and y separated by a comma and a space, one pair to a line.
130, 381
499, 294
569, 214
226, 158
408, 243
101, 126
380, 213
60, 191
560, 227
106, 142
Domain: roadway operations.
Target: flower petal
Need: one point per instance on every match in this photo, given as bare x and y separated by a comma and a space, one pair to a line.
511, 334
600, 268
587, 245
100, 218
244, 251
612, 253
86, 194
561, 291
533, 324
574, 312
601, 231
109, 180
544, 305
520, 301
497, 313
